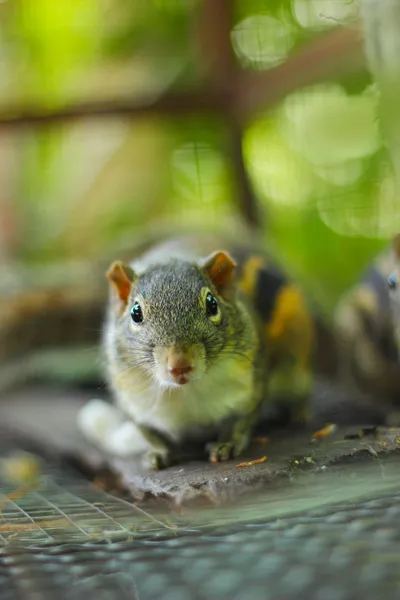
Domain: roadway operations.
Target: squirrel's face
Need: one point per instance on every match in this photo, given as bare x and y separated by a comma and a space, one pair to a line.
176, 317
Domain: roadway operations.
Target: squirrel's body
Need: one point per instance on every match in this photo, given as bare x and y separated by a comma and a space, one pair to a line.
225, 387
219, 331
367, 322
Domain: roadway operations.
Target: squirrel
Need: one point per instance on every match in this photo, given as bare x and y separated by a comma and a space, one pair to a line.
198, 337
367, 332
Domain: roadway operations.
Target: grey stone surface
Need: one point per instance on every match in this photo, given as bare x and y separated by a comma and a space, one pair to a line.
44, 419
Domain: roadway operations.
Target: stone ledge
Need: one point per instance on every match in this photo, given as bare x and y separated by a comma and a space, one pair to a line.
44, 420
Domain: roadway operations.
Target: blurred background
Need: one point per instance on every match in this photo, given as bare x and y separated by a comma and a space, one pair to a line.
120, 119
116, 117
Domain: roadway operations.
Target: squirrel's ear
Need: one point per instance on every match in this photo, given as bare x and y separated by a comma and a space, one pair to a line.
396, 246
121, 277
220, 267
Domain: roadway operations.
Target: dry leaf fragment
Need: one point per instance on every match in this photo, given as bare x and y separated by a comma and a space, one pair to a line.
250, 463
324, 432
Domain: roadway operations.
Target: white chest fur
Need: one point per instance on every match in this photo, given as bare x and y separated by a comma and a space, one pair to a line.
225, 389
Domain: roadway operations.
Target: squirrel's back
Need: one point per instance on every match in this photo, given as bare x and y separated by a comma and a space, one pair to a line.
367, 322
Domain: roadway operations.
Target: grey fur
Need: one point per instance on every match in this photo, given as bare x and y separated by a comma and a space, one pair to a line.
169, 294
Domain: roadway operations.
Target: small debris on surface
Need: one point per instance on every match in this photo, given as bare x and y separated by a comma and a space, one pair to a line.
372, 451
261, 441
324, 432
250, 463
364, 432
20, 468
301, 461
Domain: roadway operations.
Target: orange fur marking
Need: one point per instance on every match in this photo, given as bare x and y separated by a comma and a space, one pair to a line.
290, 330
249, 277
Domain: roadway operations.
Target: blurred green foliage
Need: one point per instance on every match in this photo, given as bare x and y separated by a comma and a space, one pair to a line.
317, 161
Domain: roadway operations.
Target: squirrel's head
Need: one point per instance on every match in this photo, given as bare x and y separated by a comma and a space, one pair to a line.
174, 319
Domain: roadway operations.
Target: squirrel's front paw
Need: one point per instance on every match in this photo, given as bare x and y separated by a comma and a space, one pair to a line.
220, 451
157, 460
96, 419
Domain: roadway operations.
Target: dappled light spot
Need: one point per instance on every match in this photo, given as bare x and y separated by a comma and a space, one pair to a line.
279, 175
328, 126
319, 139
354, 212
199, 173
323, 14
341, 174
261, 41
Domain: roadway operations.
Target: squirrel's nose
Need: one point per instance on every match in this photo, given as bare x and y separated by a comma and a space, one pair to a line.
180, 370
180, 363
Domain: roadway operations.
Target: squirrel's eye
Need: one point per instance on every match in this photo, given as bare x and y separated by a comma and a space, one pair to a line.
211, 305
392, 281
136, 313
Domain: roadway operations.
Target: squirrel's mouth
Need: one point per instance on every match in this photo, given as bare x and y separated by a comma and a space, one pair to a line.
179, 364
175, 383
168, 384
